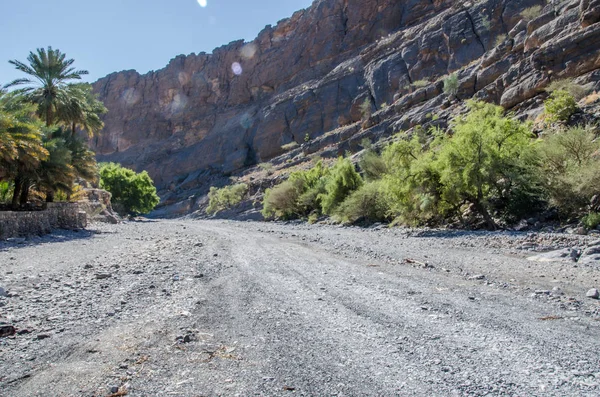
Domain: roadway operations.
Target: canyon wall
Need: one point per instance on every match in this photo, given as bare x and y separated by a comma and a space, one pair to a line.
213, 114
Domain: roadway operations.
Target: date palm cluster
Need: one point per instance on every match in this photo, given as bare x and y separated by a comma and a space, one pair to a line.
45, 121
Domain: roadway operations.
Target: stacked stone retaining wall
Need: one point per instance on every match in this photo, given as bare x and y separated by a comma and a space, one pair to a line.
29, 223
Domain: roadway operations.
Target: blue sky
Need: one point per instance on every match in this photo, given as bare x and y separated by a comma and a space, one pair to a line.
106, 36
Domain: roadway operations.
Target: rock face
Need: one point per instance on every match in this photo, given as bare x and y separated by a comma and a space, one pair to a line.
213, 114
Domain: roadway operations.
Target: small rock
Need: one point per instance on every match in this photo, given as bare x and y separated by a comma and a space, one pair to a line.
557, 291
593, 293
477, 277
114, 389
43, 336
199, 276
6, 330
102, 276
88, 266
542, 292
3, 292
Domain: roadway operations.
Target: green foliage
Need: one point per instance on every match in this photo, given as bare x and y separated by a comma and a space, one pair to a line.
500, 39
134, 192
289, 146
591, 220
6, 191
299, 195
341, 181
48, 160
485, 160
420, 83
317, 190
576, 90
371, 165
367, 204
451, 85
307, 137
569, 162
366, 109
560, 106
47, 85
225, 198
486, 23
531, 13
267, 167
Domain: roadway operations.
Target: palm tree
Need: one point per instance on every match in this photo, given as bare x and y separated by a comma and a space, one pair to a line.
56, 172
21, 149
82, 110
50, 74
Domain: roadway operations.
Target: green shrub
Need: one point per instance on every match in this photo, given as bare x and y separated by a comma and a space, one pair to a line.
282, 200
225, 198
366, 109
486, 23
298, 196
451, 85
569, 163
560, 106
290, 146
531, 13
576, 90
267, 167
341, 181
133, 192
368, 203
372, 165
420, 83
591, 220
500, 39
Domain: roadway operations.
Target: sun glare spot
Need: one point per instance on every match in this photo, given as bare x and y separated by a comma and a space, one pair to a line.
202, 3
236, 68
248, 51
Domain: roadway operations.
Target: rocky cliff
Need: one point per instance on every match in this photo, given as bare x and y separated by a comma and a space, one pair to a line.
306, 79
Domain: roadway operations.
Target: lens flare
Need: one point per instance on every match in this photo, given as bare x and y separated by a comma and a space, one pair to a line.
248, 51
236, 68
202, 3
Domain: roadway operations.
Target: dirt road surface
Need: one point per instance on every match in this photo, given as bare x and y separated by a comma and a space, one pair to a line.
217, 308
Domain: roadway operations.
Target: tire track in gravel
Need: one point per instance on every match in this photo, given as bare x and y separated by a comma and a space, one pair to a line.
277, 316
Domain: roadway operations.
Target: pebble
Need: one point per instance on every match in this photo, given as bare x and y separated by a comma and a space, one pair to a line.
102, 276
593, 293
114, 389
477, 277
6, 330
557, 291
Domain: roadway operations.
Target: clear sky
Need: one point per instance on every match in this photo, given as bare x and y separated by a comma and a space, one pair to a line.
106, 36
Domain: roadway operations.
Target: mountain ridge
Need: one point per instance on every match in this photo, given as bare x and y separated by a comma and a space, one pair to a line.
210, 115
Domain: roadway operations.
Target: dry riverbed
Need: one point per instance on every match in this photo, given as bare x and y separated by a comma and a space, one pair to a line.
205, 308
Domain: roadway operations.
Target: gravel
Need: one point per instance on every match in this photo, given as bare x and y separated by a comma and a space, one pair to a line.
227, 308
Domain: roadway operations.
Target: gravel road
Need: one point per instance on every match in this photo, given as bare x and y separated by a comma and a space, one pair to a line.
208, 308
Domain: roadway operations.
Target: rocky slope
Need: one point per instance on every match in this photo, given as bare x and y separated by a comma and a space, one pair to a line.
210, 115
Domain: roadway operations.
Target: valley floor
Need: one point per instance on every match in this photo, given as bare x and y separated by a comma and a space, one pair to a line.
205, 308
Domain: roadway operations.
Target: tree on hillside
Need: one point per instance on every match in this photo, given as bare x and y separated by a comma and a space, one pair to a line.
48, 85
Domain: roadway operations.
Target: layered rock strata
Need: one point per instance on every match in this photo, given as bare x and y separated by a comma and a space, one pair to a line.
309, 77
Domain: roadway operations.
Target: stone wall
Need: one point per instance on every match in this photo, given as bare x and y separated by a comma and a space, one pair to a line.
28, 223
